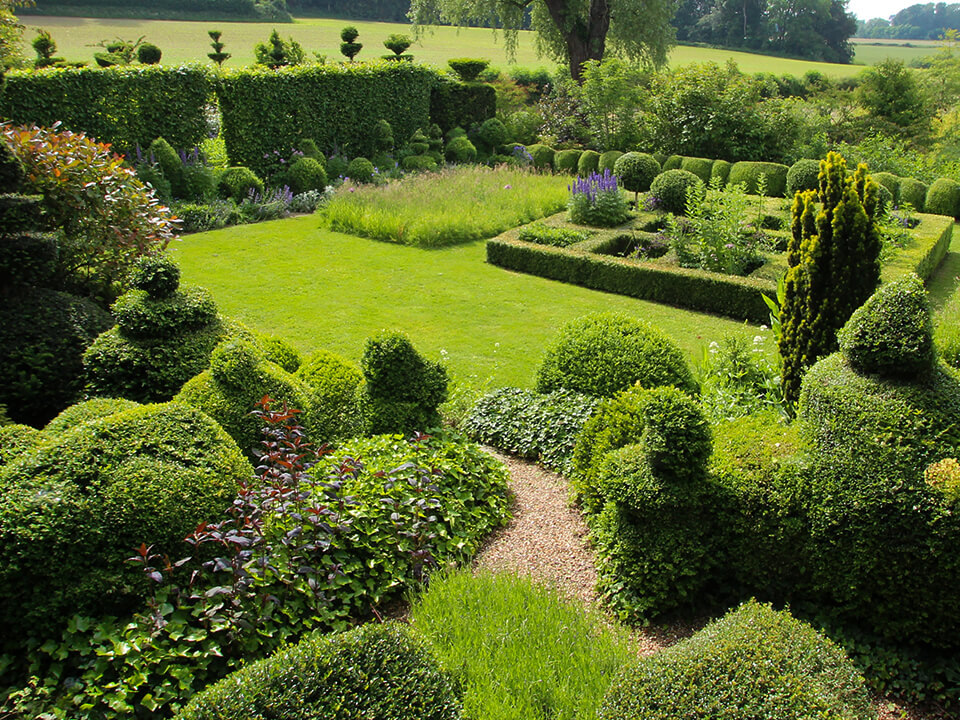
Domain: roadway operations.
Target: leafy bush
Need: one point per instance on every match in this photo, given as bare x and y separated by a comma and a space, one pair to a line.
588, 163
546, 235
201, 217
608, 160
943, 198
673, 162
336, 385
523, 651
670, 189
306, 174
492, 133
460, 150
16, 440
701, 167
803, 175
604, 353
772, 665
748, 173
415, 163
361, 170
567, 161
170, 166
597, 201
149, 54
891, 182
454, 104
468, 69
238, 182
720, 172
636, 171
373, 671
914, 192
541, 427
542, 155
84, 412
72, 510
403, 389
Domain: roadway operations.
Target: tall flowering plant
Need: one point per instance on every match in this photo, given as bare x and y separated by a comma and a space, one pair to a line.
597, 200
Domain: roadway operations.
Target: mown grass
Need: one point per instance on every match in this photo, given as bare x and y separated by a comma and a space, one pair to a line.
523, 653
321, 289
453, 206
184, 41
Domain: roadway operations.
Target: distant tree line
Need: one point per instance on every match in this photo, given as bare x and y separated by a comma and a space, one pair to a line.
388, 10
917, 22
810, 29
239, 8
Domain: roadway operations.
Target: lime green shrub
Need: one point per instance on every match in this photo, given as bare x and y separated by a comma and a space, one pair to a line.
636, 171
608, 160
335, 384
72, 511
604, 353
567, 161
943, 198
305, 174
891, 182
748, 173
16, 440
914, 192
720, 172
670, 189
673, 162
754, 662
542, 156
373, 671
589, 162
701, 167
279, 351
460, 150
803, 175
238, 182
85, 411
361, 170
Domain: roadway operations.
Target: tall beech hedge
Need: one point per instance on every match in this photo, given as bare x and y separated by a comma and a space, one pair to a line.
338, 106
123, 106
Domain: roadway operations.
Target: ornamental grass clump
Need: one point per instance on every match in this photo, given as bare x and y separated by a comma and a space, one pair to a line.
597, 200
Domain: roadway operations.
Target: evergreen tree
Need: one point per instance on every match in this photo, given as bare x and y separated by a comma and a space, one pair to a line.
218, 55
833, 263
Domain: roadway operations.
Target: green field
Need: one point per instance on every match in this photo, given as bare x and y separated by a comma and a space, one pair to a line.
871, 52
183, 42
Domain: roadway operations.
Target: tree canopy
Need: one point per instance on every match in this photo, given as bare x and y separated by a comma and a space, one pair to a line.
570, 31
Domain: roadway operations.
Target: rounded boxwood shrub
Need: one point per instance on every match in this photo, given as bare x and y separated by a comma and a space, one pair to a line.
238, 182
157, 275
748, 174
754, 662
149, 54
337, 166
891, 182
170, 165
608, 160
803, 175
914, 192
720, 172
374, 671
701, 167
361, 170
419, 162
460, 150
279, 351
673, 162
604, 353
636, 171
306, 174
335, 384
72, 511
670, 189
16, 440
943, 198
542, 156
567, 161
588, 163
85, 411
308, 146
493, 133
468, 69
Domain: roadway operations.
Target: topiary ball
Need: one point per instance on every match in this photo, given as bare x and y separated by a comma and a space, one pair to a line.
749, 173
670, 189
943, 198
884, 197
636, 171
157, 275
11, 170
305, 174
239, 183
588, 163
803, 175
335, 383
913, 192
608, 160
542, 156
891, 334
720, 172
493, 133
701, 167
673, 162
361, 170
460, 150
567, 161
604, 353
891, 182
149, 54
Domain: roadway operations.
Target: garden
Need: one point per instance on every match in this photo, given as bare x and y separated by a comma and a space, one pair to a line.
272, 381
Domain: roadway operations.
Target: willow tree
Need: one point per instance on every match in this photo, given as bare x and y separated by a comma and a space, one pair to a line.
569, 31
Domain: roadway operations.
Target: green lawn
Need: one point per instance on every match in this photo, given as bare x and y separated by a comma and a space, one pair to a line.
183, 41
321, 289
871, 52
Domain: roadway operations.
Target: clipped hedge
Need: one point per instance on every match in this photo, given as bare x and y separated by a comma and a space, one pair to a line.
803, 175
124, 106
943, 198
567, 161
914, 192
720, 171
455, 104
588, 163
608, 160
334, 105
701, 167
374, 671
749, 174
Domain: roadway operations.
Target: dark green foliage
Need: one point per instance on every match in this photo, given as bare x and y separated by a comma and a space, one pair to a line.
349, 48
701, 167
943, 198
149, 54
753, 663
156, 275
670, 188
397, 44
492, 134
170, 166
608, 160
71, 511
336, 385
914, 192
218, 55
84, 412
306, 174
374, 671
542, 156
720, 171
239, 376
360, 170
567, 161
454, 104
532, 425
604, 353
199, 182
337, 106
150, 174
832, 276
309, 148
43, 335
460, 150
588, 163
28, 258
636, 171
11, 170
383, 135
748, 173
891, 334
673, 162
403, 389
891, 182
422, 162
237, 182
119, 106
468, 69
803, 175
109, 59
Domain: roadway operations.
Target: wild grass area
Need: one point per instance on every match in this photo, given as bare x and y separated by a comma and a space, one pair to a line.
447, 208
183, 42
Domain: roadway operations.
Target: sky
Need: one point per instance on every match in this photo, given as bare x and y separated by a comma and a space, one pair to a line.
866, 9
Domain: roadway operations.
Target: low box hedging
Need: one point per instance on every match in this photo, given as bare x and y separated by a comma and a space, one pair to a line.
749, 174
924, 254
338, 106
123, 106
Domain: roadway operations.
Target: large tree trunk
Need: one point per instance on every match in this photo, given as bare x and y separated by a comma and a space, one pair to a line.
586, 38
